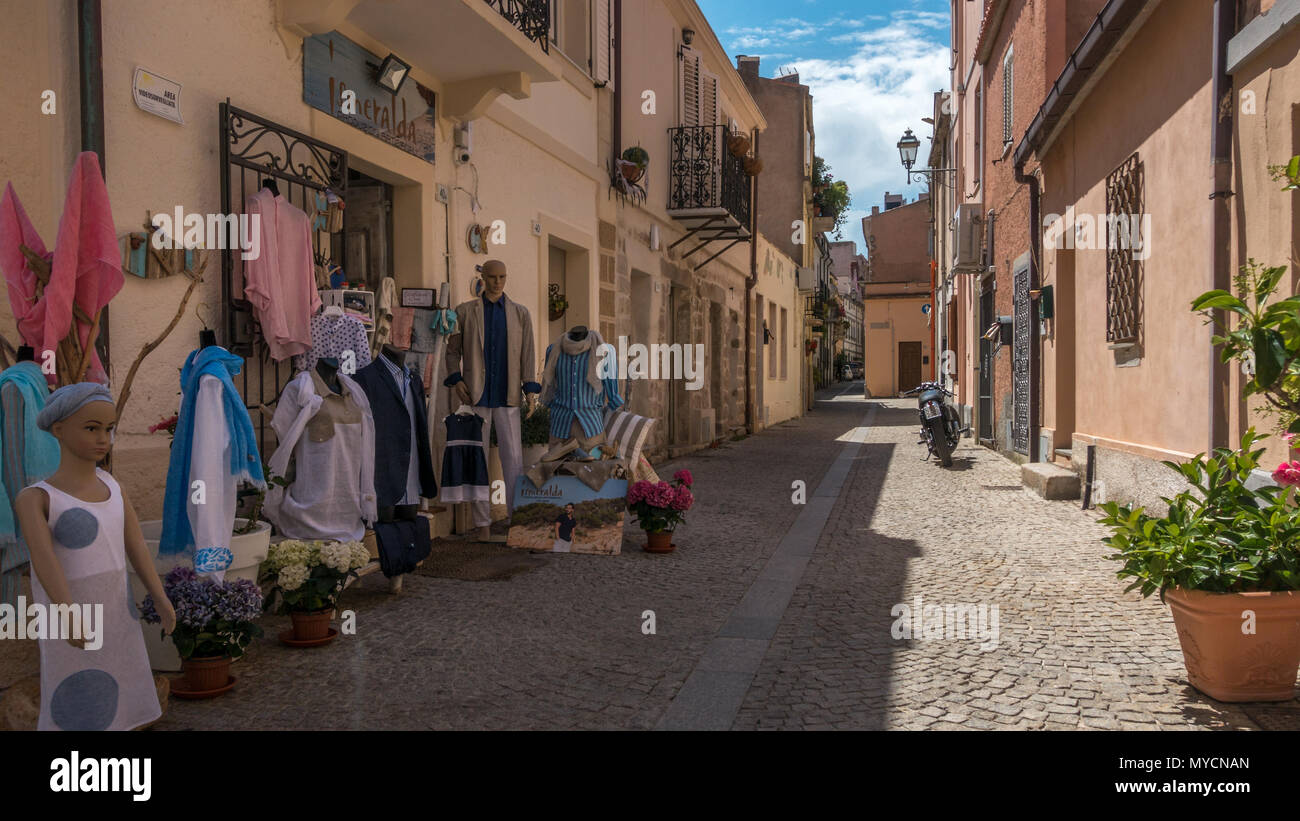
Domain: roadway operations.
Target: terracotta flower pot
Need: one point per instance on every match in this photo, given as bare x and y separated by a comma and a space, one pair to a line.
206, 674
311, 626
659, 542
1226, 662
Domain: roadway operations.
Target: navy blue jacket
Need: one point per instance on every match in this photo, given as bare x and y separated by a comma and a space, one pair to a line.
392, 434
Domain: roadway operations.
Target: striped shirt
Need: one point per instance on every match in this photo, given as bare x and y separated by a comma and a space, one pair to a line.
575, 398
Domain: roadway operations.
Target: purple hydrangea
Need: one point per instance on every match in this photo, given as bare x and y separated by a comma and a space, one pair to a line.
200, 601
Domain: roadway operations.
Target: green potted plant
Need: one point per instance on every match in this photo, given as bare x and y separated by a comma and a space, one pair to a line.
215, 621
310, 575
1226, 559
639, 159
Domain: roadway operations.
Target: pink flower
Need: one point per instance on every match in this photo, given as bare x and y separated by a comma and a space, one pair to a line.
1287, 473
683, 499
684, 476
637, 492
1289, 438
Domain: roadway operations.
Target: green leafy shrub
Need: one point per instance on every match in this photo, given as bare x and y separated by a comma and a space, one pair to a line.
1221, 537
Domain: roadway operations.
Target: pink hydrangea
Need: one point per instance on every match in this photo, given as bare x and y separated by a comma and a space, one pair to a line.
662, 495
684, 476
1287, 473
683, 499
637, 492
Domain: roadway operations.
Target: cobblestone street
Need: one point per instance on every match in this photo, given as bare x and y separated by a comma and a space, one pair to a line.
769, 615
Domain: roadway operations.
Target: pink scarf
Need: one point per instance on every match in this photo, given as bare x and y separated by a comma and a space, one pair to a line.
86, 263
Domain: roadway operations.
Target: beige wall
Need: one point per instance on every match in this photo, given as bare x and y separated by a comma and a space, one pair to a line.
1266, 219
535, 161
905, 323
1159, 405
778, 286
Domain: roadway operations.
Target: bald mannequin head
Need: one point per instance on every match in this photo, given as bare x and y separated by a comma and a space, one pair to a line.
494, 279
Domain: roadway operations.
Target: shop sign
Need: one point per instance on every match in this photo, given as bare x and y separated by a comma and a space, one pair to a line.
157, 95
337, 80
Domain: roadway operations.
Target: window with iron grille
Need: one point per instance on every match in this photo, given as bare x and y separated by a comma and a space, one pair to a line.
1008, 96
1124, 222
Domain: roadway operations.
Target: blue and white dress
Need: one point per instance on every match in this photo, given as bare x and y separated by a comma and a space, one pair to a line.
464, 462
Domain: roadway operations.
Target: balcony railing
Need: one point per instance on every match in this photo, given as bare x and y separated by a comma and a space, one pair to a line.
532, 17
704, 174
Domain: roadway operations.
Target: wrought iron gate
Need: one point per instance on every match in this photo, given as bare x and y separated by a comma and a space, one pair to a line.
1021, 374
254, 150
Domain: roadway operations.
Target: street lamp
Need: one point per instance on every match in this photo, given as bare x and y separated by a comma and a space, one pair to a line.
907, 149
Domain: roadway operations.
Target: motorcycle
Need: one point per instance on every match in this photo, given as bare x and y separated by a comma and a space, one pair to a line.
941, 430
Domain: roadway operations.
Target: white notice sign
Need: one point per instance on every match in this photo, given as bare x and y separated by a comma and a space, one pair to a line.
157, 95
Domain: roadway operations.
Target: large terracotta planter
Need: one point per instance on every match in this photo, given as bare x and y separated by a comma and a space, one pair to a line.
311, 626
659, 542
1228, 664
203, 675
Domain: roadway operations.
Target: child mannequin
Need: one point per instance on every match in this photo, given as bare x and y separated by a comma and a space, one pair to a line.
80, 529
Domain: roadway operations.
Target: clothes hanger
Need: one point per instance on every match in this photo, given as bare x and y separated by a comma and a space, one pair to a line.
207, 336
332, 310
464, 410
271, 185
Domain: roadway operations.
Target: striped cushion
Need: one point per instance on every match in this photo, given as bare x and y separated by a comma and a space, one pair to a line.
627, 432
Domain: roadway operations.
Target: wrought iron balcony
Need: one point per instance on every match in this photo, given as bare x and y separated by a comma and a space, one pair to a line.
705, 175
708, 189
532, 17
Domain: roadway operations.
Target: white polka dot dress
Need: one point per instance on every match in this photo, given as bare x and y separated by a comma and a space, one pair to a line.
111, 687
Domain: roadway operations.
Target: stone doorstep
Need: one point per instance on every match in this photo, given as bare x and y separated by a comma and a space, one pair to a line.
1050, 481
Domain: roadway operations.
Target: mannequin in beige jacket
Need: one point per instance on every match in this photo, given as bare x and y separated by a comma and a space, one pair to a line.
493, 368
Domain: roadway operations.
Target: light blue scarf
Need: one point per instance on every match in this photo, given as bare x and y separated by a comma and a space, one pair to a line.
40, 459
245, 463
443, 322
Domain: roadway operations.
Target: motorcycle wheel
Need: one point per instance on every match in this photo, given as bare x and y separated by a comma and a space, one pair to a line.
939, 442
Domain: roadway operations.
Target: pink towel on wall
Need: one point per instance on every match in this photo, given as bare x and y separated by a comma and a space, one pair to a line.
85, 266
403, 322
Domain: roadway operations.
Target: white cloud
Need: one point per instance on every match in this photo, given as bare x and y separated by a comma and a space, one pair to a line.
863, 102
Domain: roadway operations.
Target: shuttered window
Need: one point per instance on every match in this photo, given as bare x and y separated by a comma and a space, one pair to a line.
689, 101
602, 43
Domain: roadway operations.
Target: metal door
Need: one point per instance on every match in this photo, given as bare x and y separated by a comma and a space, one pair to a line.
909, 365
986, 369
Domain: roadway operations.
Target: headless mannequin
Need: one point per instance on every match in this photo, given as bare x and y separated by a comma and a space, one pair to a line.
578, 333
328, 368
395, 355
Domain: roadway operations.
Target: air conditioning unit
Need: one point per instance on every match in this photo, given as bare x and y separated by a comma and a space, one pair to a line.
968, 247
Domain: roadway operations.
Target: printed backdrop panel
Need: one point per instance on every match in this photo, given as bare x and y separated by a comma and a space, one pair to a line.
566, 516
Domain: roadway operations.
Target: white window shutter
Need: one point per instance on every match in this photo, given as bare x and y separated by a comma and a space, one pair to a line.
689, 102
602, 43
708, 98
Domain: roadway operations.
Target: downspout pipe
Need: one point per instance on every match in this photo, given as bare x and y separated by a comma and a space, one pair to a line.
751, 374
90, 44
617, 148
1225, 17
1035, 254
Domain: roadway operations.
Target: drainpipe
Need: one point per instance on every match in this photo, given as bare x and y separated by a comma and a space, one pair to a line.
1225, 14
1035, 360
90, 89
91, 81
750, 282
618, 81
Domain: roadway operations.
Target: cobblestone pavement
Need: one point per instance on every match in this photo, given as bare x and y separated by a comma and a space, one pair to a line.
562, 647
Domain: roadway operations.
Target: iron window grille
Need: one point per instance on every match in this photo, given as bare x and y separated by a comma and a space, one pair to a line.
1124, 221
1008, 94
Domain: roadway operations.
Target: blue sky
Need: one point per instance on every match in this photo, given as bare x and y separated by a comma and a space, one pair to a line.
872, 66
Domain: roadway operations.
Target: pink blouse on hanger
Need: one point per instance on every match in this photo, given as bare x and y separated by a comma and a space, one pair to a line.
281, 282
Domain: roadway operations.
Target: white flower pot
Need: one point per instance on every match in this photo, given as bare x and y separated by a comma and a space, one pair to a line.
250, 551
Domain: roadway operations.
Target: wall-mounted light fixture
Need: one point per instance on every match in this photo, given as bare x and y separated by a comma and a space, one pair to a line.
391, 73
688, 35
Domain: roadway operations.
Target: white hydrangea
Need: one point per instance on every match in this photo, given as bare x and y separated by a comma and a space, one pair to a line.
292, 576
287, 552
360, 555
336, 556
